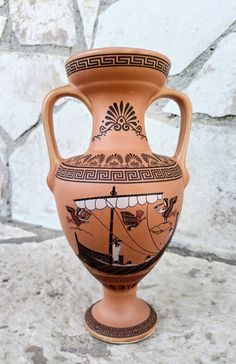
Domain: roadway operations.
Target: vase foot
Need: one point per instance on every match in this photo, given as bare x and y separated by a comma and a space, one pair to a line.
122, 334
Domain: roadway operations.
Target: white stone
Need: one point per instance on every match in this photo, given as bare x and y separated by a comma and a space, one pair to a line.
25, 80
208, 219
213, 90
41, 22
3, 20
88, 10
8, 231
4, 179
34, 203
2, 2
175, 28
194, 299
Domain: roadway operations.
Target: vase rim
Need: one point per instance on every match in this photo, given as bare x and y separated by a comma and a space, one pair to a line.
117, 50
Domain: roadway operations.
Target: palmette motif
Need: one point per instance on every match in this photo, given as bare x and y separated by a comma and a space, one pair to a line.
119, 203
120, 117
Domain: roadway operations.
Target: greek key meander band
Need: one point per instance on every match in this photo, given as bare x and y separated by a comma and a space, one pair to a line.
120, 332
118, 60
119, 176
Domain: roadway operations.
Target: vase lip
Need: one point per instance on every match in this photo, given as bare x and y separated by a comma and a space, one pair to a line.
117, 50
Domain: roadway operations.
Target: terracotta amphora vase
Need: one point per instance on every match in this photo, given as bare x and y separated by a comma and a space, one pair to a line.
119, 203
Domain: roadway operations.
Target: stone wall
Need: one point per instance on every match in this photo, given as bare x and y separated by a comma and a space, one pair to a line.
200, 39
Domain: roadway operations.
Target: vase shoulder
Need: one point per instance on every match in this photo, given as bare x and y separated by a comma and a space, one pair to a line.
119, 168
119, 160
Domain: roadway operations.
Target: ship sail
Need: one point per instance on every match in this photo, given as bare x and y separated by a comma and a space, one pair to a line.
118, 201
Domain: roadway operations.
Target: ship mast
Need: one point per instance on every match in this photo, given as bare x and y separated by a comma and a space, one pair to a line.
110, 259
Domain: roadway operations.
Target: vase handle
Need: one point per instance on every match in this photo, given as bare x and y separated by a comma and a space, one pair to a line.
185, 125
47, 115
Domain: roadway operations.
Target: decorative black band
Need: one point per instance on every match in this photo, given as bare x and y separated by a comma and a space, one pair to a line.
118, 60
116, 160
121, 332
118, 283
97, 175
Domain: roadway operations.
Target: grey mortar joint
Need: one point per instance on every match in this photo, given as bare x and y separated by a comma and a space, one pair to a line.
205, 119
81, 41
21, 140
103, 6
6, 138
95, 27
8, 191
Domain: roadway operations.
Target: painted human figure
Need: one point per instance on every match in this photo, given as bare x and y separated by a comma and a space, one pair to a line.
116, 246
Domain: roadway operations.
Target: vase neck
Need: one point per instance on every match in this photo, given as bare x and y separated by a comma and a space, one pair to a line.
118, 118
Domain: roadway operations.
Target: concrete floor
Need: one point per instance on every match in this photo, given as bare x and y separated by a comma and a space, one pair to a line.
44, 292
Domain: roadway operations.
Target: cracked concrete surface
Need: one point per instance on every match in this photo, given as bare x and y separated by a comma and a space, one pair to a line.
45, 291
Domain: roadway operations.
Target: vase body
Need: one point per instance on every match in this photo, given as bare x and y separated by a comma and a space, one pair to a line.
119, 203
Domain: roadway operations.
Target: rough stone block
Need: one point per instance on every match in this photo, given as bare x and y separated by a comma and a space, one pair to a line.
43, 22
29, 165
25, 80
167, 26
213, 90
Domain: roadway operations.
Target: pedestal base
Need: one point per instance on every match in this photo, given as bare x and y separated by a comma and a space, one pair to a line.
120, 318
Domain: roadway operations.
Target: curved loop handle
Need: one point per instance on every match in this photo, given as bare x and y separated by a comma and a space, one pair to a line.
47, 114
185, 127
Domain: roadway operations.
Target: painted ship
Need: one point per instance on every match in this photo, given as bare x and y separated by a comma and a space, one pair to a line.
111, 262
